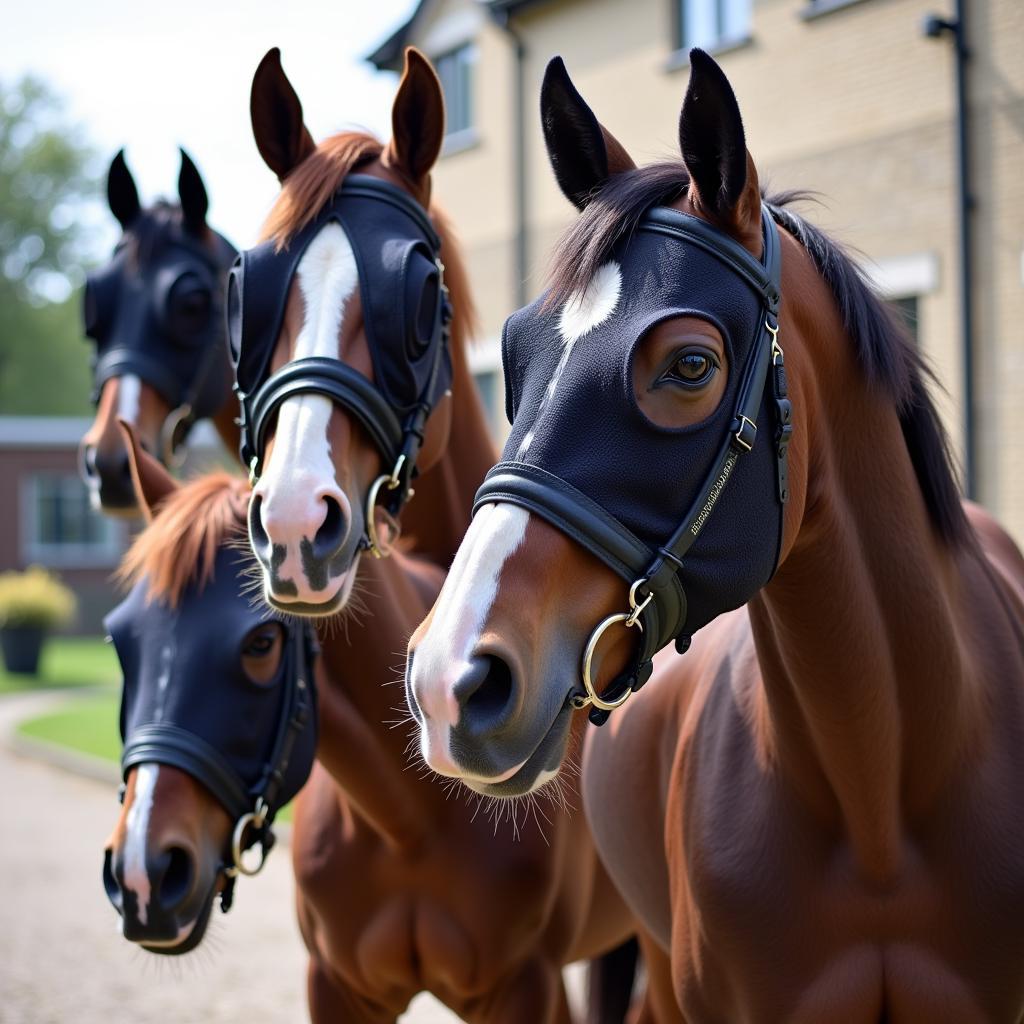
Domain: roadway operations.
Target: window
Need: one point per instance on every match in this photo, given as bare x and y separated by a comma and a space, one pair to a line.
60, 528
711, 24
455, 69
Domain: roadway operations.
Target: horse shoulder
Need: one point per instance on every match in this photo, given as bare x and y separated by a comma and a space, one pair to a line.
634, 764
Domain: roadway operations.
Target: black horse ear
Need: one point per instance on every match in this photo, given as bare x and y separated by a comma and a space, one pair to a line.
281, 135
711, 139
192, 193
583, 153
122, 195
417, 119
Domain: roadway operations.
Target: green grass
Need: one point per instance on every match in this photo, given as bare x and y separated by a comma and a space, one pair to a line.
68, 661
88, 725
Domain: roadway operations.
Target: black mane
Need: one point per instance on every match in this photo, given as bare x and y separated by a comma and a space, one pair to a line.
885, 351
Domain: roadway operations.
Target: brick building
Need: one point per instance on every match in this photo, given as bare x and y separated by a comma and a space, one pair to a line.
849, 98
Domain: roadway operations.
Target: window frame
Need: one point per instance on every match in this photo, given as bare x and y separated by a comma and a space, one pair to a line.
459, 135
99, 554
723, 42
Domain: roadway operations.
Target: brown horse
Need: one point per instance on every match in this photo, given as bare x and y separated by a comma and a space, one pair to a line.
156, 317
402, 889
818, 810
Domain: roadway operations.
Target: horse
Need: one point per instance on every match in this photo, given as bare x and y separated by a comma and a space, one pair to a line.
400, 889
155, 314
721, 435
218, 713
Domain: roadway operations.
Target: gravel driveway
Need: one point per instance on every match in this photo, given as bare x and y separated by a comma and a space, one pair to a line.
62, 959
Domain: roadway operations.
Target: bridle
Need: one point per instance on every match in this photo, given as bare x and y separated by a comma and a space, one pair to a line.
257, 292
657, 598
193, 397
252, 807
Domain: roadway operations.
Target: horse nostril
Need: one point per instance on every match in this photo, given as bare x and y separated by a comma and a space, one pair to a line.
485, 690
332, 531
257, 531
174, 886
110, 882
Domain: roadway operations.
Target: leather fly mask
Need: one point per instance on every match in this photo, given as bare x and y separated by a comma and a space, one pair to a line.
406, 312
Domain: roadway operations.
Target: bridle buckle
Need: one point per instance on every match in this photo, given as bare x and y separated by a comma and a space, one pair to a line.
391, 482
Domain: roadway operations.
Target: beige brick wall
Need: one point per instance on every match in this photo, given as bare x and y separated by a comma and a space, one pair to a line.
857, 105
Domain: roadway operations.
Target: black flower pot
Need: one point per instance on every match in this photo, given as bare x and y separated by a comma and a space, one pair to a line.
22, 646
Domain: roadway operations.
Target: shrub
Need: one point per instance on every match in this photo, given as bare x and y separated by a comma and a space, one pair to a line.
34, 597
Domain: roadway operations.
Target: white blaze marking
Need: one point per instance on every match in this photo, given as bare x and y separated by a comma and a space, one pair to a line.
300, 464
129, 398
136, 877
462, 609
579, 316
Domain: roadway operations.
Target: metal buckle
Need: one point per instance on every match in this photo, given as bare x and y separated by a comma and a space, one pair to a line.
173, 454
257, 819
777, 353
741, 434
628, 619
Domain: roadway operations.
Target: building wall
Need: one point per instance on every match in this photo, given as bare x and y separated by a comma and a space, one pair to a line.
856, 104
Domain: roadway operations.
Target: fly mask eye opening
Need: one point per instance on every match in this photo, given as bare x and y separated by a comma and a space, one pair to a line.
422, 299
184, 303
233, 307
262, 653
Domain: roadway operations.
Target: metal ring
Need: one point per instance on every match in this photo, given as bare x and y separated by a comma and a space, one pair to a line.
173, 455
371, 526
593, 697
239, 866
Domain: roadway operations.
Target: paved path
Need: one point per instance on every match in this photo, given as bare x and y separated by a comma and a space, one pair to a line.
62, 958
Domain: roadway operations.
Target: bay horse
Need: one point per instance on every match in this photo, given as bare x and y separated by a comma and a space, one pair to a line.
817, 811
218, 711
402, 890
155, 313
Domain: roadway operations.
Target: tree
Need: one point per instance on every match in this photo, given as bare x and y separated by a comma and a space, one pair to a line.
45, 185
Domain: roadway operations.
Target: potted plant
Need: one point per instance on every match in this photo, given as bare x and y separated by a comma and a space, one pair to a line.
31, 604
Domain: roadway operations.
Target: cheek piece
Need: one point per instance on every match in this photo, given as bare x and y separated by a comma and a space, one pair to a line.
126, 313
187, 703
406, 312
651, 502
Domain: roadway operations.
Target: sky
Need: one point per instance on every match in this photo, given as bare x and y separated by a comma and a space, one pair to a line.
152, 76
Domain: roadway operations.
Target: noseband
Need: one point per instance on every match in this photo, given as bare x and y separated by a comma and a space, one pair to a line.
407, 314
657, 598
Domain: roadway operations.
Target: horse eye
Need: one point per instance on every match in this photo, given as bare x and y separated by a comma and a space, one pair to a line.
693, 368
260, 644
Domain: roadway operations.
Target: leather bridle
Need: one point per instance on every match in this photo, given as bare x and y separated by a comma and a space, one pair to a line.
397, 439
252, 808
657, 598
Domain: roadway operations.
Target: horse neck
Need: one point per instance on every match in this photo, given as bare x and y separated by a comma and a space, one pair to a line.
866, 686
438, 517
362, 700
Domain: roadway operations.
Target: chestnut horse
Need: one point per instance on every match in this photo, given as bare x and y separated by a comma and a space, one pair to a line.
156, 316
218, 711
819, 810
400, 889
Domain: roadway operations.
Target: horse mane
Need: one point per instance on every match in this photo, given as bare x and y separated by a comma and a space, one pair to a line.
179, 547
312, 184
884, 348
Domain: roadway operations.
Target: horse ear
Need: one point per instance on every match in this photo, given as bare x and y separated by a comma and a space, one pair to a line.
417, 119
281, 135
723, 182
153, 484
583, 153
192, 193
122, 195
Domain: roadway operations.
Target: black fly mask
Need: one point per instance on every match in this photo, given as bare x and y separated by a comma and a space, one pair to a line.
661, 507
188, 703
406, 314
156, 309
